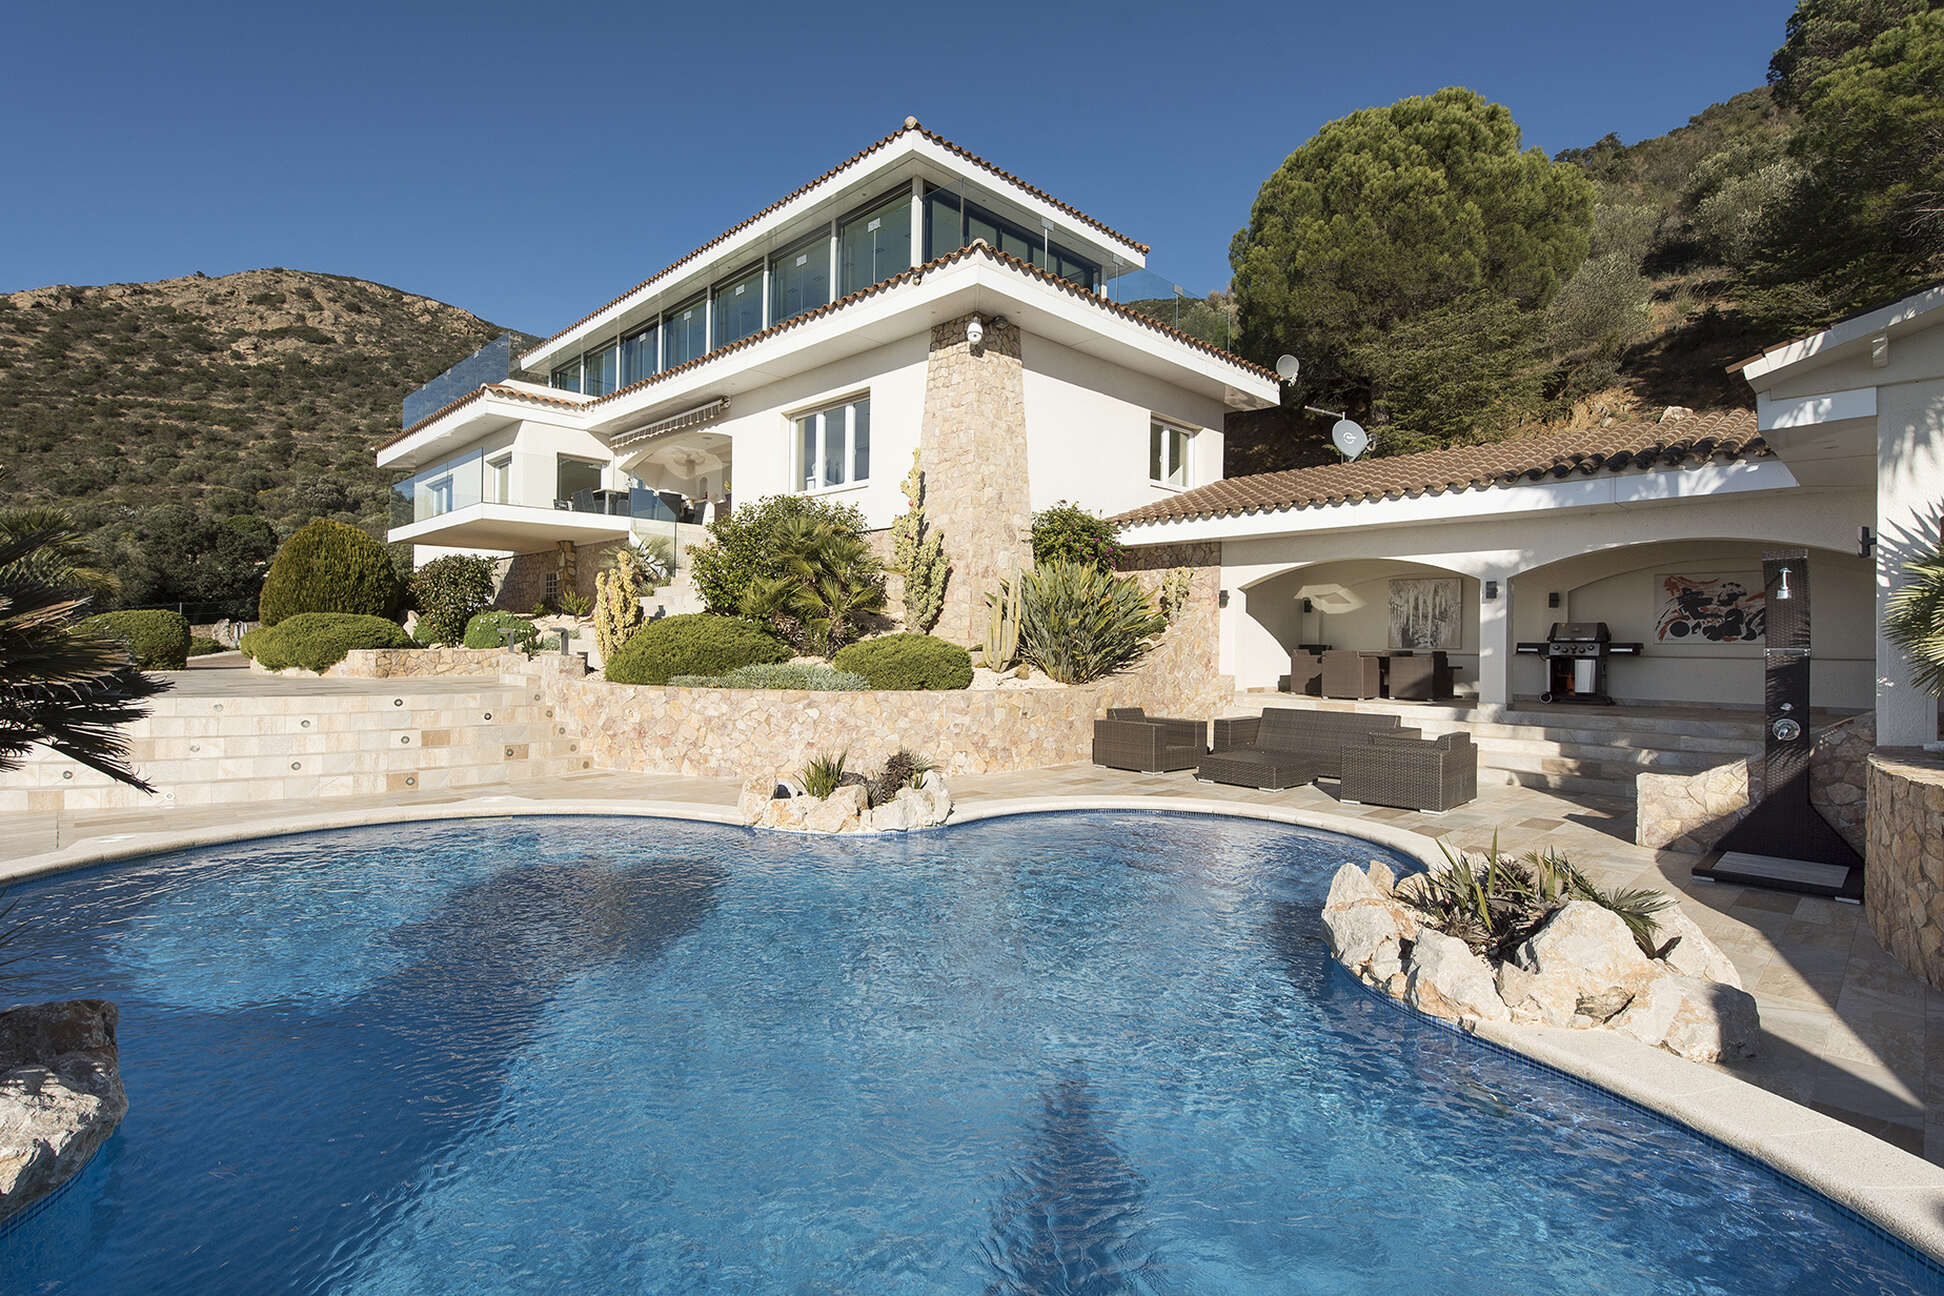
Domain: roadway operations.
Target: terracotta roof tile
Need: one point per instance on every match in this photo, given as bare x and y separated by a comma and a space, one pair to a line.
980, 248
1719, 435
910, 125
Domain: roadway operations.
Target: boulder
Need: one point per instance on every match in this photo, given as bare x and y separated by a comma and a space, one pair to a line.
754, 798
1714, 1022
900, 814
1588, 947
786, 813
1381, 877
1686, 948
841, 811
1447, 980
1367, 928
1548, 1000
60, 1095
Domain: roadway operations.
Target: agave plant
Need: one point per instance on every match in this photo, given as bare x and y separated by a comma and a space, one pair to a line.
824, 774
59, 689
1078, 623
830, 582
1913, 619
1495, 904
903, 769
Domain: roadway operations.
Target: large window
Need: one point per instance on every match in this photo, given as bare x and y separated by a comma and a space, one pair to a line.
875, 245
640, 355
567, 377
575, 481
951, 223
1168, 451
738, 308
834, 445
800, 278
598, 370
499, 479
685, 333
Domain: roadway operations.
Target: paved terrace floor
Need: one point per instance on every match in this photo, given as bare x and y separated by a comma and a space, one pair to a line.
1849, 1032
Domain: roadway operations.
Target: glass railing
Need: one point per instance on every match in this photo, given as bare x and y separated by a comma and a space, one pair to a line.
1207, 316
490, 364
455, 484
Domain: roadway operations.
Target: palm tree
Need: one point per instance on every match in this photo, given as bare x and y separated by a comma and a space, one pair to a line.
830, 580
63, 561
59, 689
1913, 619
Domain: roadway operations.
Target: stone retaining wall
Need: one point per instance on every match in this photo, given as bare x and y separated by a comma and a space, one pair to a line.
403, 663
1691, 812
1903, 885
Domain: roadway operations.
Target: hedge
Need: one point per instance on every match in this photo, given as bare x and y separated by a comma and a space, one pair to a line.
318, 640
907, 661
697, 643
330, 567
203, 645
157, 639
483, 631
785, 675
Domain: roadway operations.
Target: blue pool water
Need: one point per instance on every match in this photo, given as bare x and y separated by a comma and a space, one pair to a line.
1095, 1053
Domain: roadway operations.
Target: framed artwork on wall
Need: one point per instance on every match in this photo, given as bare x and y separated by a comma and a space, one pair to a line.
1426, 613
1710, 609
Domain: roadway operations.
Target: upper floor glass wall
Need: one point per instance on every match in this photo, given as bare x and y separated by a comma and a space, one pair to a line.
953, 221
737, 308
685, 332
641, 355
800, 277
875, 244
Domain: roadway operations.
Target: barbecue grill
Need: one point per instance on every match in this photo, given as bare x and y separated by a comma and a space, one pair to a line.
1576, 655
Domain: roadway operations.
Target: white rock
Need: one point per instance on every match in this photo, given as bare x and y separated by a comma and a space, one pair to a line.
754, 798
60, 1095
841, 811
1448, 980
1550, 1000
1381, 877
1692, 953
1589, 948
900, 814
1651, 1013
1713, 1023
1364, 936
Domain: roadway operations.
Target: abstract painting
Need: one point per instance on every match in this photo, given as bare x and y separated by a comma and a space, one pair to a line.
1710, 609
1426, 614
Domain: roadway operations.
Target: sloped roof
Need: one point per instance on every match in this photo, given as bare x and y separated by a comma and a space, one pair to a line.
979, 248
911, 124
1710, 436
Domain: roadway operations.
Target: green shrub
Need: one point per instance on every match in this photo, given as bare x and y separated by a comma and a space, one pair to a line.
483, 631
1068, 533
1914, 617
316, 640
203, 645
448, 591
694, 644
1078, 623
908, 661
330, 567
824, 774
904, 769
742, 548
1495, 904
158, 639
829, 582
782, 675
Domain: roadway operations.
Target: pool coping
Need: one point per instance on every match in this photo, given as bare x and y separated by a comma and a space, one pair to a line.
1898, 1192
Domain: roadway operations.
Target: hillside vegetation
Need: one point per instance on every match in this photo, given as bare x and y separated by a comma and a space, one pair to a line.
256, 397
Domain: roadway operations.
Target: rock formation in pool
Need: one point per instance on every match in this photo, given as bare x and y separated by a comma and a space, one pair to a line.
60, 1095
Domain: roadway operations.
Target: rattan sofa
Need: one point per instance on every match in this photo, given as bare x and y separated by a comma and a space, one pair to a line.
1319, 737
1411, 773
1130, 739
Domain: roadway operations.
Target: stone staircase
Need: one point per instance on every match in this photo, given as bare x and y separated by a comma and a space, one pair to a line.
1578, 751
382, 737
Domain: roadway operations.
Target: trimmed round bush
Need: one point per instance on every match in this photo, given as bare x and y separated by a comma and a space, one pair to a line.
698, 643
203, 645
785, 675
330, 566
483, 631
157, 639
448, 591
908, 661
318, 640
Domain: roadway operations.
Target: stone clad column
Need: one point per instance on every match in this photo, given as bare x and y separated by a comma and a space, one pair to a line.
972, 448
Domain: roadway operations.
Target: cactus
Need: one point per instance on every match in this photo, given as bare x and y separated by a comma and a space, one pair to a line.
1001, 647
617, 607
919, 553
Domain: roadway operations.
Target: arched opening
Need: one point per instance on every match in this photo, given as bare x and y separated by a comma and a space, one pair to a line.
1696, 607
1365, 604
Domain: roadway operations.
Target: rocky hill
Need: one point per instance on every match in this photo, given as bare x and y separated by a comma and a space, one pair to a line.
257, 394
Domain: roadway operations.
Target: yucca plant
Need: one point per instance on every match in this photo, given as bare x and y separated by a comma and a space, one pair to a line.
1913, 619
824, 774
1495, 904
1078, 623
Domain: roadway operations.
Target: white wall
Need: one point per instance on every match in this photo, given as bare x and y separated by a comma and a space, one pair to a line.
1087, 429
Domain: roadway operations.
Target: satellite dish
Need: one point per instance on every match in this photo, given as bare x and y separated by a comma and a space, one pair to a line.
1288, 367
1351, 439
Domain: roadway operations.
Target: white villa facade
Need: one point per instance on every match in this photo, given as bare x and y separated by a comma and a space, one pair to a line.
913, 300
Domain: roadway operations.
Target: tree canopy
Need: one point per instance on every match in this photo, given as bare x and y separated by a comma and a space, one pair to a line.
1822, 32
1391, 214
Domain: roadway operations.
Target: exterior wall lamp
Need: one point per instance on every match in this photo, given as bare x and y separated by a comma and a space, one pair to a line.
1491, 590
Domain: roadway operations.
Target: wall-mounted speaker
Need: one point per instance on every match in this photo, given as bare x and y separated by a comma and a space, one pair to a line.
1308, 606
1552, 599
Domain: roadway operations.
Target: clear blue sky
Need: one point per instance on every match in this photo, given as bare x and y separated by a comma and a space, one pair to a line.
529, 162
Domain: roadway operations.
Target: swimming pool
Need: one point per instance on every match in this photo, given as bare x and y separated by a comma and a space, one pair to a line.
1089, 1053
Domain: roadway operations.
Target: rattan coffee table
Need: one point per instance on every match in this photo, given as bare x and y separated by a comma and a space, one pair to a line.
1267, 771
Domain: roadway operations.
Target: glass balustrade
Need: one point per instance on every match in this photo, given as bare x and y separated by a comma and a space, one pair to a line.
455, 484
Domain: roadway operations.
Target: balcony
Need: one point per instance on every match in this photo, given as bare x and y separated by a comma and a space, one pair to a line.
522, 503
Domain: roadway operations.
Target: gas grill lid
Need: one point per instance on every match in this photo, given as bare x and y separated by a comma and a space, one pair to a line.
1579, 632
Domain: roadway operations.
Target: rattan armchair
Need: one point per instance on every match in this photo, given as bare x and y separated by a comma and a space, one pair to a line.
1306, 673
1349, 674
1420, 677
1410, 773
1130, 739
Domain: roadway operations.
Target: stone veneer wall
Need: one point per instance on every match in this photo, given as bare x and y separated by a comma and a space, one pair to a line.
972, 448
1903, 884
1691, 812
523, 578
406, 663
